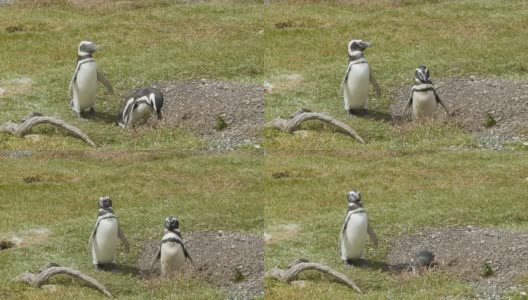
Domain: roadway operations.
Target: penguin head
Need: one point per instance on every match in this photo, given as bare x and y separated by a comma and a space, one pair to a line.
156, 98
105, 202
87, 48
421, 75
354, 198
171, 223
356, 47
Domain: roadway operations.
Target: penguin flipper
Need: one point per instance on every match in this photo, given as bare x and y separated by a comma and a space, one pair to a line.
70, 88
372, 235
343, 82
105, 82
155, 260
187, 255
408, 104
343, 228
375, 83
438, 101
92, 235
123, 238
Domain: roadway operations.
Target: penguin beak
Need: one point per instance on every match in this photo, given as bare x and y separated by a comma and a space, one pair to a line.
94, 47
366, 45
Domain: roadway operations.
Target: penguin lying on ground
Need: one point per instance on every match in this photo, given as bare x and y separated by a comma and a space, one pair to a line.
355, 83
83, 85
171, 253
353, 236
139, 106
424, 98
104, 236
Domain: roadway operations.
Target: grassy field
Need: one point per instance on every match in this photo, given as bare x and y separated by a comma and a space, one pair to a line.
453, 38
50, 201
144, 42
402, 192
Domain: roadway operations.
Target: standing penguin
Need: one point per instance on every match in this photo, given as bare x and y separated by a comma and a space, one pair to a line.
171, 253
353, 236
105, 234
83, 84
355, 83
424, 98
139, 106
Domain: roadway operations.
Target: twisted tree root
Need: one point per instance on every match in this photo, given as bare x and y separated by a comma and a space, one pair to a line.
301, 265
36, 118
51, 269
303, 114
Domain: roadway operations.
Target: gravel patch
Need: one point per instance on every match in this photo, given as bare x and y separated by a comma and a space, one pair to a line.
197, 105
229, 260
464, 251
471, 99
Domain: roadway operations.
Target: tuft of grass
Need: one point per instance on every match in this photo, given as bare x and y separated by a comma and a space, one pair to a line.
486, 270
220, 123
489, 120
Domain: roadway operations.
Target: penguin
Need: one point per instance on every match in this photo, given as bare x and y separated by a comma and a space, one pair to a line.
424, 98
353, 236
83, 84
103, 239
355, 83
171, 253
139, 106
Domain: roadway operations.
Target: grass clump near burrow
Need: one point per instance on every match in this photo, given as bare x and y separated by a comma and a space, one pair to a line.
49, 207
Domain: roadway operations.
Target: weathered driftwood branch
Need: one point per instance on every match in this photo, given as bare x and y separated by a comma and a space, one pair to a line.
303, 114
34, 119
299, 266
51, 269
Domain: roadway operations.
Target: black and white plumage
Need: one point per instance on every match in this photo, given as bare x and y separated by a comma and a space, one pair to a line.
424, 99
83, 84
105, 234
139, 106
353, 235
171, 253
355, 83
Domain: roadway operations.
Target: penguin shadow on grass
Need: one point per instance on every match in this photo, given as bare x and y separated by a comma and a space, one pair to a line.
374, 265
106, 117
122, 269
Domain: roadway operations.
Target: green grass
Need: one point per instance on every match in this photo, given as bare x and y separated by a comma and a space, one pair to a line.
144, 42
206, 192
402, 192
453, 38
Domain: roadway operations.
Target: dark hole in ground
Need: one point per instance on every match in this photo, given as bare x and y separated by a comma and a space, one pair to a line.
232, 261
6, 244
465, 251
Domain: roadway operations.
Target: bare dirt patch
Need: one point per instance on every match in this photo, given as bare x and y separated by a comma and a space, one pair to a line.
232, 261
197, 105
464, 252
281, 232
471, 99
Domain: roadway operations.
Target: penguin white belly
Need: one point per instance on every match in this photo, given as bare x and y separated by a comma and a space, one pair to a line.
355, 236
140, 114
85, 86
356, 90
172, 258
424, 104
105, 242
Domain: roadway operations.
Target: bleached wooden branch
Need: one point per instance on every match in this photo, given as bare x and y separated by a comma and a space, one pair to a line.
299, 266
290, 125
34, 119
52, 269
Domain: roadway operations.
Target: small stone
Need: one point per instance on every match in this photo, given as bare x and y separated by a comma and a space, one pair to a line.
233, 246
524, 97
257, 146
523, 293
203, 81
473, 78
